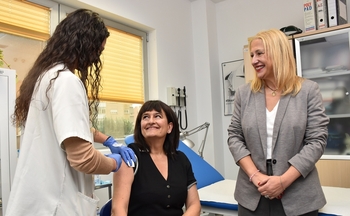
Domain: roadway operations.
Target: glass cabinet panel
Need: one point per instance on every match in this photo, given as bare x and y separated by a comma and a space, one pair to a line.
323, 54
325, 59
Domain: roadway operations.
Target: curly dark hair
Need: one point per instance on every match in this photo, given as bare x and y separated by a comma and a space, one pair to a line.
171, 142
76, 43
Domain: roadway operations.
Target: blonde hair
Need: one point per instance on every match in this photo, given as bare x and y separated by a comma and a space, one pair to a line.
278, 50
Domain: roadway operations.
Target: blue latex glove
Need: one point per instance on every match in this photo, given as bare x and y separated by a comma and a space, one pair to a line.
127, 154
117, 158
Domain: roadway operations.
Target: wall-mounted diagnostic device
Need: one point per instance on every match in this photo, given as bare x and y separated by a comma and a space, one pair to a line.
177, 101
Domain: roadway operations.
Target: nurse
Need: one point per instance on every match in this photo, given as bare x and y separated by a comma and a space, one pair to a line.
57, 159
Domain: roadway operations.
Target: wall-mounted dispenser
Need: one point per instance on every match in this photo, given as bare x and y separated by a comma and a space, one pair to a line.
172, 95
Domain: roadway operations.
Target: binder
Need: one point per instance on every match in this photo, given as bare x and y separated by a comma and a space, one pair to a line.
342, 12
321, 14
309, 15
337, 12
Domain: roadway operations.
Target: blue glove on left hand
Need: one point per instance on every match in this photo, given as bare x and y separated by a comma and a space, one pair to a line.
118, 160
127, 154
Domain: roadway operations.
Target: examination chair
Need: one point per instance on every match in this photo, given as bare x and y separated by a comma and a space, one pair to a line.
204, 173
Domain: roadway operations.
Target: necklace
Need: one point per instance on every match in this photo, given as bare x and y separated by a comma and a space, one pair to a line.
273, 90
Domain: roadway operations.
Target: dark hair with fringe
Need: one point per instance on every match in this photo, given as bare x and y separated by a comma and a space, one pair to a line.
171, 142
76, 43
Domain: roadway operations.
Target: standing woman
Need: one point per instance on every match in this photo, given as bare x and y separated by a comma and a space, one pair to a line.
57, 158
164, 181
277, 133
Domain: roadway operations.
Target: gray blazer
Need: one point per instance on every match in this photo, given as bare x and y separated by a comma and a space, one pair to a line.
299, 139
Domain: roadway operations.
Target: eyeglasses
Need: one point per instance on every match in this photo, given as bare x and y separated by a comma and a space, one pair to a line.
291, 30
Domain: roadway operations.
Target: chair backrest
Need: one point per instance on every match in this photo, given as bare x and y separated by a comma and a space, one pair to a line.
106, 209
204, 173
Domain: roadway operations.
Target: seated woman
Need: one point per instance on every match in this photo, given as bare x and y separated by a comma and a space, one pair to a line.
164, 181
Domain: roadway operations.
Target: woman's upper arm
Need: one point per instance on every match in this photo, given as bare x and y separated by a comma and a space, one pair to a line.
317, 119
193, 205
316, 133
122, 181
236, 140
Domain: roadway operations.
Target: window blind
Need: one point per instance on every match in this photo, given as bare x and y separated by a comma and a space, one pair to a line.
25, 19
122, 73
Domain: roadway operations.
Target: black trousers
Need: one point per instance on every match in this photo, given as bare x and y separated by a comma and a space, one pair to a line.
267, 207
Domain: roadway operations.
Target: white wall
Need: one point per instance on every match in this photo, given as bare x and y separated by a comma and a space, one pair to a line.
188, 41
236, 21
173, 61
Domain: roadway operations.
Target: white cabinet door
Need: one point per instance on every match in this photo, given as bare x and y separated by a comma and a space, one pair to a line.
8, 150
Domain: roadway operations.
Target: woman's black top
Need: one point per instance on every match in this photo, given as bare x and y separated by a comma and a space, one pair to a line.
153, 195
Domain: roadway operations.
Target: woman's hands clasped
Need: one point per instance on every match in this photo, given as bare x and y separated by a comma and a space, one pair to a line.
268, 186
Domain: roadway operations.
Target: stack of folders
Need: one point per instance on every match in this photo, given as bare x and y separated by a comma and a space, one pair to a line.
320, 14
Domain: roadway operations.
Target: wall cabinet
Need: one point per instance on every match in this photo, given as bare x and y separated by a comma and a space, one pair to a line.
334, 173
325, 58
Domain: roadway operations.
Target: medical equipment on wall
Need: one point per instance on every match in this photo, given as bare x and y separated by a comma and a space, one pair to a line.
177, 101
190, 143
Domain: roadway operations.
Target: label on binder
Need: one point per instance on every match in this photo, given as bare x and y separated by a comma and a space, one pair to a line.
321, 14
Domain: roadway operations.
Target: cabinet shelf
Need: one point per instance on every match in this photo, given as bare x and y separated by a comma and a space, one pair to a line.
328, 74
334, 157
340, 116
